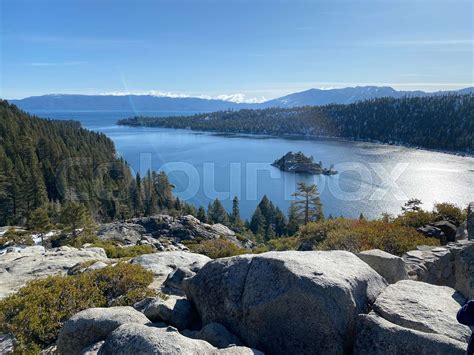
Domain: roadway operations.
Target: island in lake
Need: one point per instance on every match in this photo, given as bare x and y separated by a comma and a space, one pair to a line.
300, 163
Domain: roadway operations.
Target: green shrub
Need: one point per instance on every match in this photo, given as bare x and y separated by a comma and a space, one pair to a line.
36, 313
359, 235
84, 237
316, 232
414, 219
117, 251
113, 249
449, 211
278, 244
216, 248
16, 237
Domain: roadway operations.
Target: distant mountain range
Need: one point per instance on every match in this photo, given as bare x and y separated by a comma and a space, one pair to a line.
312, 97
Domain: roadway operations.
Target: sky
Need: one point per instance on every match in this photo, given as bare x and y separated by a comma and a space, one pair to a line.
240, 50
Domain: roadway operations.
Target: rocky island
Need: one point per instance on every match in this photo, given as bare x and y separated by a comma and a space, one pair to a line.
300, 163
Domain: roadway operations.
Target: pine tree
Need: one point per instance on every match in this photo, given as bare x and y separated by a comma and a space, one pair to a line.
412, 205
76, 216
235, 220
308, 204
279, 222
293, 220
201, 214
177, 204
270, 233
164, 190
137, 200
268, 209
39, 222
188, 209
258, 223
217, 213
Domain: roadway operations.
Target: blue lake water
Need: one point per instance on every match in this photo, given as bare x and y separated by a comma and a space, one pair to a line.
373, 178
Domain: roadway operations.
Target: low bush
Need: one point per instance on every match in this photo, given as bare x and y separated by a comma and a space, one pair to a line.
36, 313
278, 244
11, 236
415, 219
359, 235
112, 249
216, 248
116, 251
449, 211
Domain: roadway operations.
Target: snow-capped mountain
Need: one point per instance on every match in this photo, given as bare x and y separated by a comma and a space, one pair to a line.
312, 97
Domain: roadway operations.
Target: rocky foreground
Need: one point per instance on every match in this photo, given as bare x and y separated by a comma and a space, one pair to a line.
312, 302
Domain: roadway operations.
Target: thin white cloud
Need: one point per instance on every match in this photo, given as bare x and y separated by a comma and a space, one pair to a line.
54, 64
428, 42
75, 41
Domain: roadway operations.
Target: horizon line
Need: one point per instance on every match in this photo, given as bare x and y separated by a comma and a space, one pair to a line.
241, 98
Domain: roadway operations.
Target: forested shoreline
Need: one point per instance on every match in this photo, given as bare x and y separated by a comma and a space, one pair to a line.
437, 123
46, 163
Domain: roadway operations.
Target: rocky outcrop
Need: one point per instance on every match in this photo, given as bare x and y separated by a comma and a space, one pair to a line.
164, 263
412, 317
174, 281
215, 334
464, 271
125, 232
451, 265
391, 267
175, 311
287, 302
93, 325
423, 307
141, 339
377, 336
161, 229
16, 269
7, 343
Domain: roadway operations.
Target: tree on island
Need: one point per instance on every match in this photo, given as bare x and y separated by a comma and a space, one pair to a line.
307, 205
412, 205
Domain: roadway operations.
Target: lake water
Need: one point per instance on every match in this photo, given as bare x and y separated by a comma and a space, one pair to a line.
373, 178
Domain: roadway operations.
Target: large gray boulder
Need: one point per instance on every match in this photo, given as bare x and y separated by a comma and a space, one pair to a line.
215, 334
16, 269
451, 265
124, 232
423, 307
287, 302
377, 336
464, 271
139, 339
174, 281
175, 311
93, 325
391, 267
164, 263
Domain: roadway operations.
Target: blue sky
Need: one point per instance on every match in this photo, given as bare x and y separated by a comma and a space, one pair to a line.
249, 49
